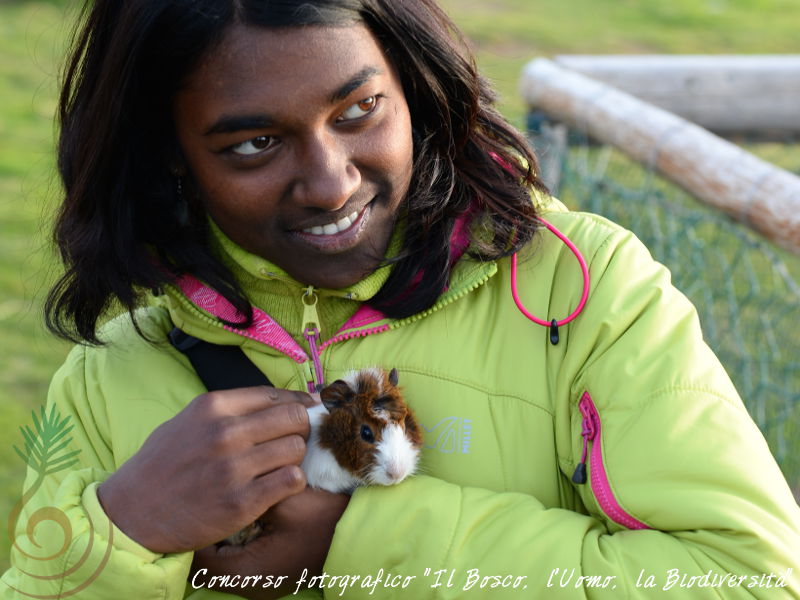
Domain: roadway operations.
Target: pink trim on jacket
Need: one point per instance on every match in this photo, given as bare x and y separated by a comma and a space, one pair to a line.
366, 315
353, 334
600, 484
264, 328
267, 331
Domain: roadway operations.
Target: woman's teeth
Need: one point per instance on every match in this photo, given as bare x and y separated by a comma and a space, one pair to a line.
333, 228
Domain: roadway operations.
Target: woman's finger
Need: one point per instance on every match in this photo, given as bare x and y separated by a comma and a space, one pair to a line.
242, 401
273, 422
267, 490
274, 454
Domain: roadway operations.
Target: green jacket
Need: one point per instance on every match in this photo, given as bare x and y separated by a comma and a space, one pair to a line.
682, 491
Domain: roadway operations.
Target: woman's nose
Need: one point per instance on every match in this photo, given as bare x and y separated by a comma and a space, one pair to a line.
327, 176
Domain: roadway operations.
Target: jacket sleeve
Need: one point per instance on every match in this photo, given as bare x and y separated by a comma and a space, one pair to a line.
677, 455
64, 544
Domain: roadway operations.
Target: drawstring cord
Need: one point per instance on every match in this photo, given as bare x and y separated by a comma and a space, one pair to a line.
554, 324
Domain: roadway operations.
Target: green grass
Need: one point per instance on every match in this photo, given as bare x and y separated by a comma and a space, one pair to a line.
30, 38
506, 34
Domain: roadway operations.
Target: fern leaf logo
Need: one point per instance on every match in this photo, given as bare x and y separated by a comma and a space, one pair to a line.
43, 443
45, 451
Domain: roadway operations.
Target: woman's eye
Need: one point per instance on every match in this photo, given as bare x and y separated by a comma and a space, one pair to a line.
360, 109
254, 146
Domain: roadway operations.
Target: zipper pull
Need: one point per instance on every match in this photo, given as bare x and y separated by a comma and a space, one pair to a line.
579, 476
310, 316
310, 328
588, 432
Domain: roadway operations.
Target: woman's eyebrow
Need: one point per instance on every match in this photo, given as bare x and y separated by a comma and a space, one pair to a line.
231, 124
355, 82
234, 123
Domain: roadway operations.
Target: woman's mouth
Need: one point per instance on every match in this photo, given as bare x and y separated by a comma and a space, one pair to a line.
337, 236
333, 228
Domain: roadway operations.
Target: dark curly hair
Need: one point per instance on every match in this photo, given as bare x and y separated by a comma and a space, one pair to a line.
120, 230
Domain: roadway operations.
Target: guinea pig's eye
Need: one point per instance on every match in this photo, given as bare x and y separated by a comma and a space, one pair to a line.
367, 435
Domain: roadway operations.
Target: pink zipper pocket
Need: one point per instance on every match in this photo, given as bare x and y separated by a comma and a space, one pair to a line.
600, 484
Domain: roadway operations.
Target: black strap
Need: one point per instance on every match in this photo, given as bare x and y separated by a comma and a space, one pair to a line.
219, 367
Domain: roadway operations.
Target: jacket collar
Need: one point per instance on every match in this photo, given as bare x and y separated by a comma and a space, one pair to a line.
278, 299
272, 290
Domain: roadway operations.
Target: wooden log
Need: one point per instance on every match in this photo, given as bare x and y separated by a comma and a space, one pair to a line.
755, 94
711, 169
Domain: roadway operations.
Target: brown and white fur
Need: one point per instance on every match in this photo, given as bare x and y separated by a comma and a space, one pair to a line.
363, 433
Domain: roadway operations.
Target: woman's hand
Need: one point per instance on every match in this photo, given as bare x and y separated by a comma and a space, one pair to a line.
297, 536
211, 470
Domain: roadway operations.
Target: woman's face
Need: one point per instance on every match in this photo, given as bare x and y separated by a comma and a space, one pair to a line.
299, 143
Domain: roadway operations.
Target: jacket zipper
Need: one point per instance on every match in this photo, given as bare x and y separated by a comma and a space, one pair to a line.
204, 299
400, 322
310, 328
601, 487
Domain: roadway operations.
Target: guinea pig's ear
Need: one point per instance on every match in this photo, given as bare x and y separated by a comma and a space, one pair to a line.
336, 395
394, 377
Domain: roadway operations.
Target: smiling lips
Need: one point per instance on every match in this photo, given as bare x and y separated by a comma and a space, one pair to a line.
333, 228
339, 236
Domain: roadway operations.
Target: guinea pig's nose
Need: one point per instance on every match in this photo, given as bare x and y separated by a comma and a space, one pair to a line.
394, 473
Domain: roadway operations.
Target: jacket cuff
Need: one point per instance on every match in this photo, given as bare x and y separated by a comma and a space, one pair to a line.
94, 510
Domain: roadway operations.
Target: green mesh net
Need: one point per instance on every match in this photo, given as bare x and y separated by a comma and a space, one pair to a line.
745, 289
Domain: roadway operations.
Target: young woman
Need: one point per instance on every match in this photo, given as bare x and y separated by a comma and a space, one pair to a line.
326, 186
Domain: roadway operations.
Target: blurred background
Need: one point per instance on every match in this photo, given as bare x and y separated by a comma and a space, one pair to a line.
505, 34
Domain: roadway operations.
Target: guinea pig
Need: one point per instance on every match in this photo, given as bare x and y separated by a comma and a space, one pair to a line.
363, 433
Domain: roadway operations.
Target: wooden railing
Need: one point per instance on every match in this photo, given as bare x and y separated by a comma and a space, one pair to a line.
712, 169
